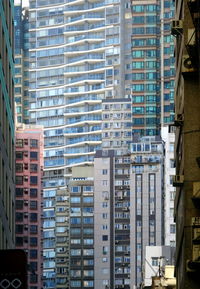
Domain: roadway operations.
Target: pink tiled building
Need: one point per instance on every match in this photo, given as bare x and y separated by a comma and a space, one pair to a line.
28, 219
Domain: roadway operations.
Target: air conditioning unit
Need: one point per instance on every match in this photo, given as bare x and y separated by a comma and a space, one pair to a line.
178, 120
196, 190
177, 27
187, 65
178, 180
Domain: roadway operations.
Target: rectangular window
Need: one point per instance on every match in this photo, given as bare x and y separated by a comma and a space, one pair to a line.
19, 168
33, 168
33, 155
33, 143
19, 180
33, 217
33, 241
33, 254
19, 204
19, 155
33, 205
19, 192
33, 180
19, 143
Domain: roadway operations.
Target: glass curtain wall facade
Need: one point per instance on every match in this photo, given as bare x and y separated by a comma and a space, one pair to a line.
79, 55
6, 125
152, 66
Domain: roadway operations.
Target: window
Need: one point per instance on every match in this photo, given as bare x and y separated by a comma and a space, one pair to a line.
33, 229
33, 266
19, 241
19, 192
88, 262
105, 215
76, 189
88, 273
154, 261
88, 252
104, 182
75, 252
19, 143
88, 220
19, 168
75, 283
105, 238
87, 199
171, 212
33, 241
33, 204
33, 168
19, 155
33, 143
19, 180
33, 193
75, 221
171, 147
19, 217
33, 180
172, 163
172, 229
33, 254
33, 155
104, 172
33, 217
172, 196
19, 229
75, 200
19, 204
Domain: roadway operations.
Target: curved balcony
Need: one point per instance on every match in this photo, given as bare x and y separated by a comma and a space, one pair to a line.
89, 17
81, 8
89, 138
74, 110
82, 30
84, 99
70, 131
80, 49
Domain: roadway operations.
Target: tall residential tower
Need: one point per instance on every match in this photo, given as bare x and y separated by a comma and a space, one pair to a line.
7, 132
152, 66
79, 56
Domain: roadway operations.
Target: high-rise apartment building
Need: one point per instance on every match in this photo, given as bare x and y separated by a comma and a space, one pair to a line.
169, 190
187, 143
112, 261
116, 124
129, 212
29, 199
80, 54
21, 62
82, 228
152, 66
7, 133
146, 202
